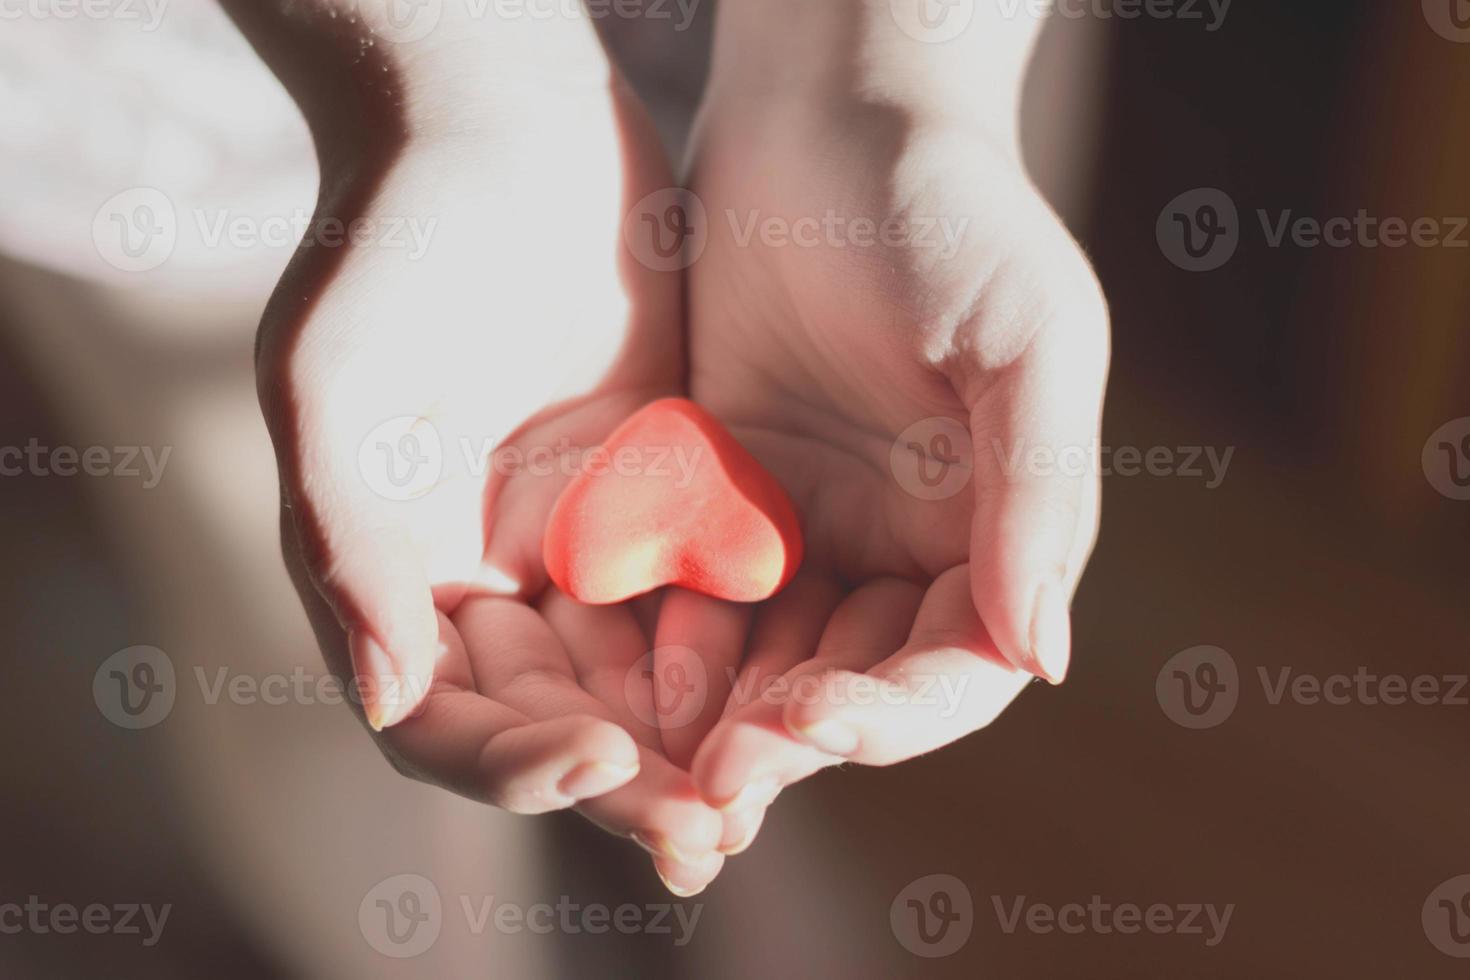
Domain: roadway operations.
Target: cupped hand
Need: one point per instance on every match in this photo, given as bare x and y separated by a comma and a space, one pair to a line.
428, 405
889, 317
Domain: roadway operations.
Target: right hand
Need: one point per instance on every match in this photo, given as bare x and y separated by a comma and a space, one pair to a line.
385, 378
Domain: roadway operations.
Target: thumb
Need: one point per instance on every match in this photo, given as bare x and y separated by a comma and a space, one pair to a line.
361, 558
1035, 429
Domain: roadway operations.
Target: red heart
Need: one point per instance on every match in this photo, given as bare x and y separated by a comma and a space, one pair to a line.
674, 500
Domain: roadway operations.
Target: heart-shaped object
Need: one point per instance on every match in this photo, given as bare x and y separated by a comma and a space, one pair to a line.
673, 500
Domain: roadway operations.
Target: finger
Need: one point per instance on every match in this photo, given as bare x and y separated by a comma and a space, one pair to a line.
1035, 427
487, 752
363, 563
373, 675
491, 753
518, 660
607, 648
700, 641
660, 811
687, 879
784, 634
741, 826
751, 755
645, 608
947, 681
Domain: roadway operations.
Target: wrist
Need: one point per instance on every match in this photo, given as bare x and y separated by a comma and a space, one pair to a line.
374, 77
930, 63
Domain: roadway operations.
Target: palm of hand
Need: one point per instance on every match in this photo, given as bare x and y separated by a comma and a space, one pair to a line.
862, 369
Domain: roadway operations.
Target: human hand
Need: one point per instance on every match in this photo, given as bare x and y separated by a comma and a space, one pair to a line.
427, 409
896, 377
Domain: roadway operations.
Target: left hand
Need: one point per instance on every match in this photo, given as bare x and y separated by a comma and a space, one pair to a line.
897, 388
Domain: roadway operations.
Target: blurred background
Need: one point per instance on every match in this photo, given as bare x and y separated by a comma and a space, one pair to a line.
1307, 405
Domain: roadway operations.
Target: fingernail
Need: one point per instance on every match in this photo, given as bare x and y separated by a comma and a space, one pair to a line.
680, 892
760, 792
594, 779
702, 869
744, 843
831, 737
659, 846
372, 665
1051, 632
